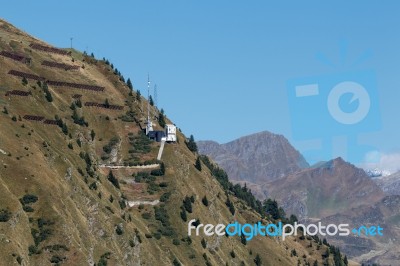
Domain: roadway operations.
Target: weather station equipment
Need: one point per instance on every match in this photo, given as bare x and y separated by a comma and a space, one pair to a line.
163, 136
149, 124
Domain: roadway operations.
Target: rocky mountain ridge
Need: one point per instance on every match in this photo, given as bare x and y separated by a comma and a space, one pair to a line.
255, 158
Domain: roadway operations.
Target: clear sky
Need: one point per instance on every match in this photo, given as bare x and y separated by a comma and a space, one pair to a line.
222, 67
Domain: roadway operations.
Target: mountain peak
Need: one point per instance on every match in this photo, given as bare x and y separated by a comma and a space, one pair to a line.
260, 135
256, 158
339, 160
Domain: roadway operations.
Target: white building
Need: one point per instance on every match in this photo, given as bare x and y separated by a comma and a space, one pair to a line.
170, 133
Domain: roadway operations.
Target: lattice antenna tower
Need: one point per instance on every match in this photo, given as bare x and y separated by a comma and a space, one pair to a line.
155, 96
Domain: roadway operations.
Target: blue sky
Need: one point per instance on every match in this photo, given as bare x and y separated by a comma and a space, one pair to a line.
222, 67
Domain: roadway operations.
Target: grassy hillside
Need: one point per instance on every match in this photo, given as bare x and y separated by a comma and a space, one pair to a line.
58, 206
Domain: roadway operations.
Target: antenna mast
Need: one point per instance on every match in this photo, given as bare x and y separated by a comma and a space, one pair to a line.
148, 98
149, 126
155, 95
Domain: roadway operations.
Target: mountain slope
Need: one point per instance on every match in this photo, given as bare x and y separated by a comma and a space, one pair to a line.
325, 190
389, 184
59, 204
255, 158
383, 250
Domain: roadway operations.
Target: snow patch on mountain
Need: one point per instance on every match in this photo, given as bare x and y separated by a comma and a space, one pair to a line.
374, 173
378, 164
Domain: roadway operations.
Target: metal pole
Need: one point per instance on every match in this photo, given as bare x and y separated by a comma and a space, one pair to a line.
155, 96
148, 98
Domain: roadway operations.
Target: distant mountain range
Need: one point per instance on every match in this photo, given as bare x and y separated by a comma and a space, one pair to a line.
334, 191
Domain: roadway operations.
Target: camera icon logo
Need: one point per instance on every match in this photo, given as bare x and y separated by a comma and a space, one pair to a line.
325, 108
359, 93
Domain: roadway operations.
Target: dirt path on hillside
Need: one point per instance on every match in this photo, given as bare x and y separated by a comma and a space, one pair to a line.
150, 166
133, 203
